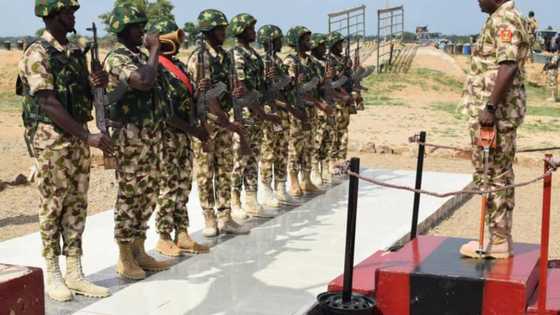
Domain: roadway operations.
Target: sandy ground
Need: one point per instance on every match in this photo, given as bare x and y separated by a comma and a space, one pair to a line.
398, 107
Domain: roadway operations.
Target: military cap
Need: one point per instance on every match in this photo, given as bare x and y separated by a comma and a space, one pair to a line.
126, 15
210, 19
334, 38
269, 32
240, 22
45, 8
295, 33
163, 25
318, 39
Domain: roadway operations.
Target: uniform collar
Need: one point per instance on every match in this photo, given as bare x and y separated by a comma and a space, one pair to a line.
49, 38
213, 52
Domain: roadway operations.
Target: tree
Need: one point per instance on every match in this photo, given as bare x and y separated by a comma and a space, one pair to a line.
157, 9
191, 31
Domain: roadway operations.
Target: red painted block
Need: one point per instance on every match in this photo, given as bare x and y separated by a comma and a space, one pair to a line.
552, 296
21, 291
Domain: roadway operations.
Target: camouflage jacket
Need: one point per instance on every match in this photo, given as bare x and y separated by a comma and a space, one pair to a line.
342, 67
215, 67
249, 67
306, 68
504, 37
176, 99
128, 105
48, 65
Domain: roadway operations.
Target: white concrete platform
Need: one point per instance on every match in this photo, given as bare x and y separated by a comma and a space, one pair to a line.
278, 269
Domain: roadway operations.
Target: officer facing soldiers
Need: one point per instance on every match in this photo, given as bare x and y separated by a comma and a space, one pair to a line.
300, 69
57, 90
176, 158
274, 149
343, 109
495, 98
134, 103
248, 72
209, 65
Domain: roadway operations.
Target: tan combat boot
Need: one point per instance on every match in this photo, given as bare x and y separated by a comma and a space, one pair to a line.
282, 195
77, 282
167, 247
188, 245
295, 189
496, 248
210, 223
56, 288
227, 225
326, 175
306, 184
127, 267
253, 209
237, 211
269, 199
316, 175
146, 261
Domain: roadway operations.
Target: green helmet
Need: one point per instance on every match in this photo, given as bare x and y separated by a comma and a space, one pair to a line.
163, 25
240, 22
269, 32
210, 19
295, 33
126, 15
317, 40
334, 38
45, 8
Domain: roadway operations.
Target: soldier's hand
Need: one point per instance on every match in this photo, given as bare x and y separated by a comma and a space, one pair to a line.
151, 41
487, 119
100, 141
330, 73
271, 74
99, 79
203, 86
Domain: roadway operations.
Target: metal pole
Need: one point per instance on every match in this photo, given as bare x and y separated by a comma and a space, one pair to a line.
378, 35
330, 30
419, 172
350, 232
545, 238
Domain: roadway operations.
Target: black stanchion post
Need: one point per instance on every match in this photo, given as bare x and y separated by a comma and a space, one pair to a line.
351, 231
419, 172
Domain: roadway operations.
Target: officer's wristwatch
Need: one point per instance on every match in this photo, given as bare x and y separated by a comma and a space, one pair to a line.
490, 108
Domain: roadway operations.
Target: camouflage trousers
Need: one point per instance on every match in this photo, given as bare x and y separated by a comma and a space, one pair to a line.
300, 147
340, 143
552, 82
500, 174
323, 136
137, 151
175, 181
274, 150
246, 167
63, 167
213, 170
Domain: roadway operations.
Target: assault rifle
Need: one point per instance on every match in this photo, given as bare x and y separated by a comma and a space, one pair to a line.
274, 87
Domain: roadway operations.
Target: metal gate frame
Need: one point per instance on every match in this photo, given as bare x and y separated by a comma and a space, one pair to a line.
390, 26
350, 22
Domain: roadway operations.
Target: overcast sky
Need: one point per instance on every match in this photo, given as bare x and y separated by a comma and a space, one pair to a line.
446, 16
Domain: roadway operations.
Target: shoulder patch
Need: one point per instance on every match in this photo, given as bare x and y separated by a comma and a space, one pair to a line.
505, 34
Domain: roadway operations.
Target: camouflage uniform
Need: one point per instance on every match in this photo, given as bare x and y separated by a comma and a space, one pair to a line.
532, 27
503, 38
274, 149
176, 152
340, 144
214, 168
137, 143
552, 76
62, 161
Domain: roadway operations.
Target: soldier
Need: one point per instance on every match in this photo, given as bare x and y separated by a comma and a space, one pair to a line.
214, 168
57, 90
249, 76
343, 109
274, 149
532, 27
324, 122
176, 152
551, 68
300, 69
134, 103
495, 97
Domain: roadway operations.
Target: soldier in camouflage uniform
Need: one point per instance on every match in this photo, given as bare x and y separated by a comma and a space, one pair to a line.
135, 104
274, 149
495, 97
214, 168
343, 110
249, 76
300, 68
551, 69
323, 130
532, 28
176, 152
57, 88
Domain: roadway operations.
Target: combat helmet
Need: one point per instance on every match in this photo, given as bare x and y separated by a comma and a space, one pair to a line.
210, 19
126, 15
295, 33
269, 32
162, 26
44, 8
240, 22
318, 39
334, 38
